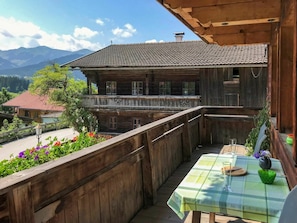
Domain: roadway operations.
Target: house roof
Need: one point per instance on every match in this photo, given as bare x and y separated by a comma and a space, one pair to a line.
30, 101
172, 54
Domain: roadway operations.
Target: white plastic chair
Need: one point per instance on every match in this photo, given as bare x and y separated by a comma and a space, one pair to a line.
288, 214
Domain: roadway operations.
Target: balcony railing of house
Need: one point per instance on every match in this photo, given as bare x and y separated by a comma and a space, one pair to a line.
113, 180
145, 102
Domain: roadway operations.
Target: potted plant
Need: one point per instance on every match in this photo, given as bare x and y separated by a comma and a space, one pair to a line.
261, 118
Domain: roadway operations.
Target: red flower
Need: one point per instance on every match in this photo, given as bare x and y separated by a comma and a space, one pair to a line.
32, 150
91, 134
58, 143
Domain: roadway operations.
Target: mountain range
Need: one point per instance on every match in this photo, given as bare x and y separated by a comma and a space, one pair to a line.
24, 62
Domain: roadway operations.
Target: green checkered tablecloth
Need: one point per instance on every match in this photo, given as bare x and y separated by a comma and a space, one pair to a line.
249, 198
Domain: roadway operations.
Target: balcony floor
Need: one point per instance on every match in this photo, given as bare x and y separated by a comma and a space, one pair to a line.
161, 213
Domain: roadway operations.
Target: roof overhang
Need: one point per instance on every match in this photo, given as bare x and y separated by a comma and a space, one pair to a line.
228, 22
168, 68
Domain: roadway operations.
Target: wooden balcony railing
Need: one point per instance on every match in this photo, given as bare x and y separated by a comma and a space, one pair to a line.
113, 180
145, 102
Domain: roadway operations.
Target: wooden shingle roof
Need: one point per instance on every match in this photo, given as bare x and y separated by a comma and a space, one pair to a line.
172, 54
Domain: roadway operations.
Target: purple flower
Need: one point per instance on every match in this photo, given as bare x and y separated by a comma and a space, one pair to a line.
262, 153
257, 155
22, 154
36, 157
46, 152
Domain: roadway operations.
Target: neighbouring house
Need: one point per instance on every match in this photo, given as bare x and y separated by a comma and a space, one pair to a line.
141, 83
32, 106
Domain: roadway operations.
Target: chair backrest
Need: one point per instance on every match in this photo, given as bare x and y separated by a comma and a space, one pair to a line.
261, 137
289, 214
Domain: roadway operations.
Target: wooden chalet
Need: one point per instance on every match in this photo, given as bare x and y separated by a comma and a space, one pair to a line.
32, 107
141, 83
114, 180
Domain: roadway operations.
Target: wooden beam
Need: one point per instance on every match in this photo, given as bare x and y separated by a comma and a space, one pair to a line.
288, 16
242, 38
249, 12
197, 4
263, 27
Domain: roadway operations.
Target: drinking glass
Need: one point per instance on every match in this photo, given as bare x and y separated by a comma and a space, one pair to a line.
232, 144
227, 176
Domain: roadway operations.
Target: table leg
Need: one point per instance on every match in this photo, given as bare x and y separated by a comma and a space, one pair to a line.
212, 217
196, 216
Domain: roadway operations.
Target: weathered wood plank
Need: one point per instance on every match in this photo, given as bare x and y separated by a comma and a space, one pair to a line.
148, 175
21, 205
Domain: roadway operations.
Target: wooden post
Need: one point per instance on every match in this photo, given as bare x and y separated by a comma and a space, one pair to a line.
150, 192
187, 147
287, 120
202, 127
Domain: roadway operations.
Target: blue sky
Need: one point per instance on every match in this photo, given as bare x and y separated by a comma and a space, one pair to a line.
85, 24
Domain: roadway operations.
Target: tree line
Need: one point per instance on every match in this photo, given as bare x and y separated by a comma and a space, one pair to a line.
14, 84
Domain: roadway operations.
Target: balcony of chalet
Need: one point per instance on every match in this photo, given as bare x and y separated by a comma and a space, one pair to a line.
129, 177
141, 102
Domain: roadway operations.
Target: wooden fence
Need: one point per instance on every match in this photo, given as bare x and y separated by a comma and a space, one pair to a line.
113, 180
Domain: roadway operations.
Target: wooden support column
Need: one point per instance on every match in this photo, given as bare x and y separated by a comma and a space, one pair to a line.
286, 118
286, 104
287, 67
20, 204
150, 192
273, 72
89, 84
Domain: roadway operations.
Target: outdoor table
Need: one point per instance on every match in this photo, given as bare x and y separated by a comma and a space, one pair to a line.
202, 190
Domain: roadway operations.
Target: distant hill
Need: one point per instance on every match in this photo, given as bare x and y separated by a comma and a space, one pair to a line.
24, 62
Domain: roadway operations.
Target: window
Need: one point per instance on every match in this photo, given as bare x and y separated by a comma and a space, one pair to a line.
113, 123
111, 87
164, 88
188, 88
136, 123
137, 88
27, 113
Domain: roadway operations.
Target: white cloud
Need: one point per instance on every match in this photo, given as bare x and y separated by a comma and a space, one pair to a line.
84, 33
100, 22
125, 32
154, 41
15, 34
